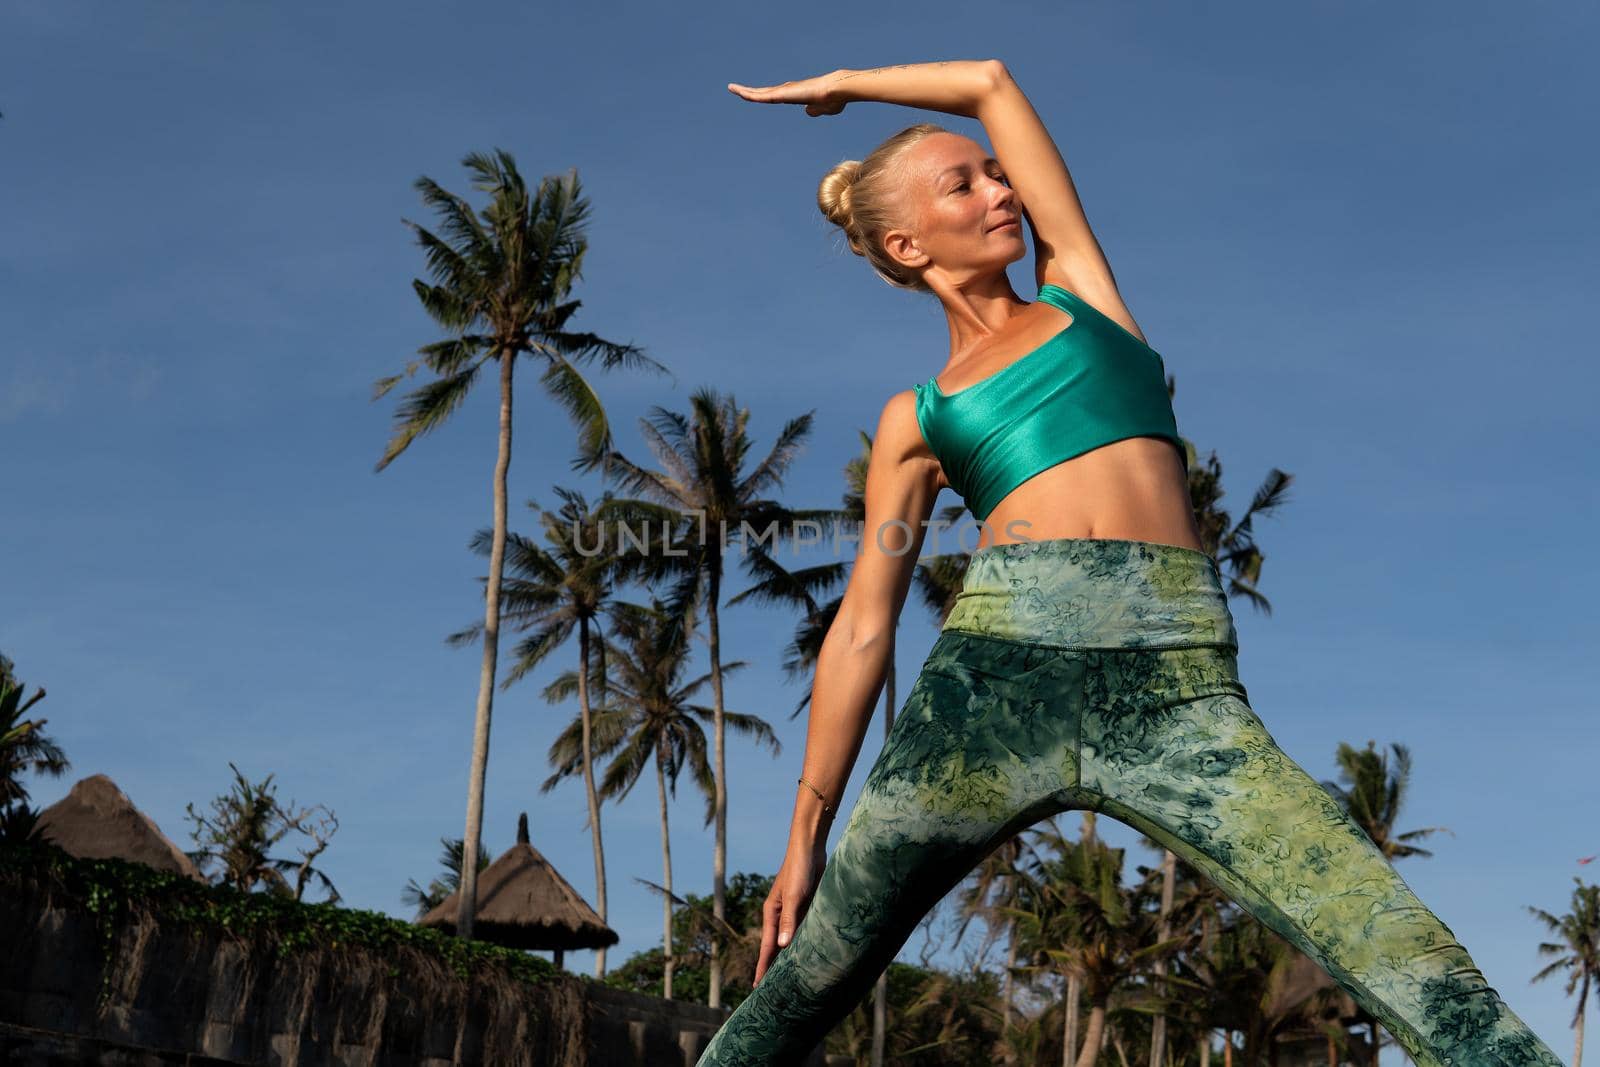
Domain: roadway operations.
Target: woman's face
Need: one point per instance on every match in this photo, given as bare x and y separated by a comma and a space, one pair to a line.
967, 221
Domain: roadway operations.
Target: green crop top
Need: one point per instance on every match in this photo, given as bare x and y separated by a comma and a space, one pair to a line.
1089, 385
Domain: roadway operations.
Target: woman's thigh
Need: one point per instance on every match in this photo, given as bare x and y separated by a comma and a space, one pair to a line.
1169, 750
984, 745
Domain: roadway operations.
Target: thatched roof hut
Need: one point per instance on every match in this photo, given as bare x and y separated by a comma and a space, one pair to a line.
96, 820
523, 902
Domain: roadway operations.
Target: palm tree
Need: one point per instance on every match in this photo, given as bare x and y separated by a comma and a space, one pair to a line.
501, 288
703, 480
555, 594
425, 900
1232, 544
1243, 982
1076, 916
800, 588
1577, 952
655, 725
991, 892
1373, 794
23, 744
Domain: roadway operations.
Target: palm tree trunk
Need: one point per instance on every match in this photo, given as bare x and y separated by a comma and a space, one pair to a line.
600, 964
1069, 1052
1253, 1036
491, 647
880, 993
1095, 1036
719, 854
1205, 1048
1227, 1048
1005, 994
1158, 1026
1577, 1052
1073, 987
588, 786
668, 961
1372, 1033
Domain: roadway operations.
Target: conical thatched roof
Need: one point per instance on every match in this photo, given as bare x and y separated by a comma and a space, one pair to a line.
96, 820
524, 903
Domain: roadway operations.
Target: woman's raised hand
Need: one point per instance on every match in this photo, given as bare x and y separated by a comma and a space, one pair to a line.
820, 95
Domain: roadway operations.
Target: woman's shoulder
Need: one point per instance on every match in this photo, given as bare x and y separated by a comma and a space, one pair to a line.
899, 439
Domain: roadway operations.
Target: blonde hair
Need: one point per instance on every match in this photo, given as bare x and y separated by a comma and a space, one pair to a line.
863, 198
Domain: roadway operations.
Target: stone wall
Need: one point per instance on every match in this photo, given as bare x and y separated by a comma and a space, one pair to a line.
186, 995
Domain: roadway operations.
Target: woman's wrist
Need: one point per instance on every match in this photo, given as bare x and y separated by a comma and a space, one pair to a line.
953, 86
813, 815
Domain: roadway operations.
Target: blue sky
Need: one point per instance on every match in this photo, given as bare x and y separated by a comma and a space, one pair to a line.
1362, 236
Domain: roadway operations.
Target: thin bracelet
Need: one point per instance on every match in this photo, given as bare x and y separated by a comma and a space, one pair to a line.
826, 810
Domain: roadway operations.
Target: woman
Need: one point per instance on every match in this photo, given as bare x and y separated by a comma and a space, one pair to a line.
1090, 661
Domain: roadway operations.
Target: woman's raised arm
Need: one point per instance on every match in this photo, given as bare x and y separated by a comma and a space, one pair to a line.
1066, 250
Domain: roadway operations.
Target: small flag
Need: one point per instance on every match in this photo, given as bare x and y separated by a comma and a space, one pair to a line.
1588, 859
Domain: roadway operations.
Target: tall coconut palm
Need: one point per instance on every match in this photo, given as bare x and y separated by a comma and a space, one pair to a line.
559, 592
1076, 915
702, 456
658, 727
501, 287
1577, 952
992, 893
1244, 982
800, 588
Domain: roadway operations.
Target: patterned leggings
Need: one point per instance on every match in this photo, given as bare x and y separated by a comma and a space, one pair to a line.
1099, 674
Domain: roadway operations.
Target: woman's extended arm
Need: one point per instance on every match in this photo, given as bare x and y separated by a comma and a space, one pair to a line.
901, 487
954, 86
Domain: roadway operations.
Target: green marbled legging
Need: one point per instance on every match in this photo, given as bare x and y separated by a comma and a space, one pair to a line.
1100, 674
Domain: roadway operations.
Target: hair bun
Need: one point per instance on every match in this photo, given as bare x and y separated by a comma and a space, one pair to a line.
833, 194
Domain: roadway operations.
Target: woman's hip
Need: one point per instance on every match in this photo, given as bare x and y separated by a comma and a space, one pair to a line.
1094, 593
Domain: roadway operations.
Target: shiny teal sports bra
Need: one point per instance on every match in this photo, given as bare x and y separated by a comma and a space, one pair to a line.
1089, 385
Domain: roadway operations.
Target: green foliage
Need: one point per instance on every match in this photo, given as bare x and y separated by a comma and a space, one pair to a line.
248, 821
1575, 952
425, 900
116, 892
948, 1019
23, 745
692, 926
19, 823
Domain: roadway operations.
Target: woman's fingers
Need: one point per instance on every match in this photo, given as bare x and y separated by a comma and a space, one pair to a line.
816, 93
769, 935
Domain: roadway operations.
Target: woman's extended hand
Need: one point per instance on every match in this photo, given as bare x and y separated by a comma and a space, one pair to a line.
788, 901
820, 95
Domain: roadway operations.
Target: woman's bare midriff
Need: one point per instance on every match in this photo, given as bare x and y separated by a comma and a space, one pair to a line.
1135, 489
